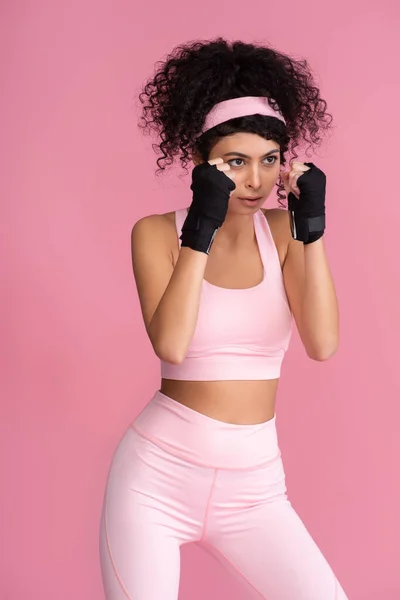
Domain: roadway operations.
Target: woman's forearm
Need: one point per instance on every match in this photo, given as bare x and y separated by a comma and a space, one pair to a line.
320, 313
174, 321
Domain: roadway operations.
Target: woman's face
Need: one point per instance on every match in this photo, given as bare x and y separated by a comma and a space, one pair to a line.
256, 164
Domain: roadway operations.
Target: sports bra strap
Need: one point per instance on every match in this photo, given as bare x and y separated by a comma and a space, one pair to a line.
266, 244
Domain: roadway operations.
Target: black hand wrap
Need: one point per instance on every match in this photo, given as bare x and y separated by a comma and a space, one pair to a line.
308, 212
211, 190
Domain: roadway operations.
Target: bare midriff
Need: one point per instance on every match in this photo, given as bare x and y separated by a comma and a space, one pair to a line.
238, 402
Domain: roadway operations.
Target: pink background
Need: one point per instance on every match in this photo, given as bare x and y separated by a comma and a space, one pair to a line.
76, 363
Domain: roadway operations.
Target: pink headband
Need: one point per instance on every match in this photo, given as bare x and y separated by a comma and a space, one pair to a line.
239, 107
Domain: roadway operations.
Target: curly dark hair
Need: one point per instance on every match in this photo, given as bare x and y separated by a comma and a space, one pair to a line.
199, 74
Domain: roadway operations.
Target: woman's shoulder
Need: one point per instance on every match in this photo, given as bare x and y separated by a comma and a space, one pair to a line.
157, 221
160, 227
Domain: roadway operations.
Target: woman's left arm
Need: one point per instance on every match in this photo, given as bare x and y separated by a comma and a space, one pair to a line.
307, 276
312, 297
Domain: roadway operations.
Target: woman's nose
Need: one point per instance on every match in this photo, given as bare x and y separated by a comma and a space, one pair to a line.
254, 178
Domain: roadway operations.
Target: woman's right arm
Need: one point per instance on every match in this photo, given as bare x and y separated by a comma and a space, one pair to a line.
169, 296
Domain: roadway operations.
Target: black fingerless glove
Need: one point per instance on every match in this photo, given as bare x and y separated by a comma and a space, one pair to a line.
211, 190
307, 214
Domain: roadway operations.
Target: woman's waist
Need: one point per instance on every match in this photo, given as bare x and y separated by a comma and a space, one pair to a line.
203, 439
236, 402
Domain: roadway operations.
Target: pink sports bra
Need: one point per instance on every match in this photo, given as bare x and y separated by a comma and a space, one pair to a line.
241, 334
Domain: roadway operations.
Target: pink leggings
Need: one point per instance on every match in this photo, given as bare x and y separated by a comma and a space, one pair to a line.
179, 476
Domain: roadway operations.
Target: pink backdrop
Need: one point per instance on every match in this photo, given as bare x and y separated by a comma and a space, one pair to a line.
76, 364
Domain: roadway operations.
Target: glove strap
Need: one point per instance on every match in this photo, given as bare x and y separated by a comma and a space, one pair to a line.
198, 232
306, 229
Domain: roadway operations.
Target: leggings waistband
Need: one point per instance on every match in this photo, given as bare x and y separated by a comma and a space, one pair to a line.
202, 440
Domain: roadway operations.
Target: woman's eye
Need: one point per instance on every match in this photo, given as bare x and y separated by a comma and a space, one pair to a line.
272, 160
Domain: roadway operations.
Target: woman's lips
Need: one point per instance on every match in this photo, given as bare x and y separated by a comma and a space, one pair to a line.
250, 200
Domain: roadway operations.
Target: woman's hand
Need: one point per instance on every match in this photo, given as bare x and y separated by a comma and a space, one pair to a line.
224, 167
305, 186
290, 176
212, 185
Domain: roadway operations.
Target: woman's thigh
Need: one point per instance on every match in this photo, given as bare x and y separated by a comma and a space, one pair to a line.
143, 564
255, 532
278, 559
153, 503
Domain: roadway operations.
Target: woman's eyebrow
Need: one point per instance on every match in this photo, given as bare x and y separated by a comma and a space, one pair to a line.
245, 155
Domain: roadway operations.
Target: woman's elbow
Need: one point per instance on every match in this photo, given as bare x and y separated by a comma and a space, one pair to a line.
323, 354
168, 354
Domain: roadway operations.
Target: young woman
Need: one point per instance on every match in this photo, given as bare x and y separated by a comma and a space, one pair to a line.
219, 286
